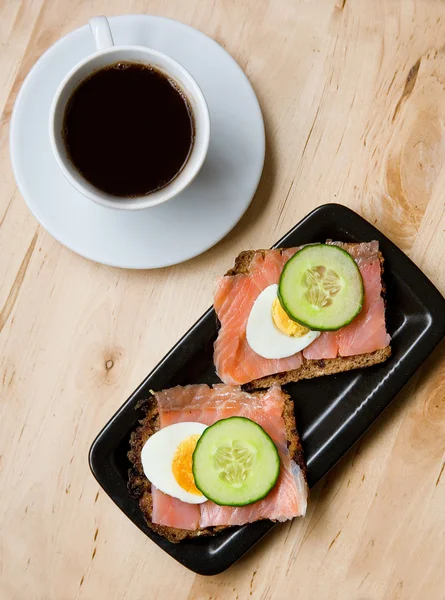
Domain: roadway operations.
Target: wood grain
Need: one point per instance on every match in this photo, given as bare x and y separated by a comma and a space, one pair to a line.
353, 95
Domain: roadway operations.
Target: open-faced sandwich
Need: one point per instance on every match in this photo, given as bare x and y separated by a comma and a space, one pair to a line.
206, 458
298, 313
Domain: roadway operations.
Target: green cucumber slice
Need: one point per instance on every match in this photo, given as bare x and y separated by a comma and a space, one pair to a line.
235, 462
321, 287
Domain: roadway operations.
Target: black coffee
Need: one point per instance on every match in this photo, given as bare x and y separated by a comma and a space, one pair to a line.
128, 129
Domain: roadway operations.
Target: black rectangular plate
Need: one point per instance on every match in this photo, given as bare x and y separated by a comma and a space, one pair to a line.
332, 412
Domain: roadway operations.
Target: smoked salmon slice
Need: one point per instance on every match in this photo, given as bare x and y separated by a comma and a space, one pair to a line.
172, 512
367, 332
237, 364
288, 498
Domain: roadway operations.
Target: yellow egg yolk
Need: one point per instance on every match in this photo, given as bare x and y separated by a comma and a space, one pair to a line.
284, 323
182, 464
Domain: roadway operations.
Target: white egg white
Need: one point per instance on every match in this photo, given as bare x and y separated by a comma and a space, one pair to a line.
264, 337
157, 457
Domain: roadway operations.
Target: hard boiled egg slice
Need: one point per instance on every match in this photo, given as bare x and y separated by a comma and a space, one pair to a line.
264, 337
167, 460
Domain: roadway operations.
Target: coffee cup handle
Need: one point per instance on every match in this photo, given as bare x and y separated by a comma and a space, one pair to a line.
100, 28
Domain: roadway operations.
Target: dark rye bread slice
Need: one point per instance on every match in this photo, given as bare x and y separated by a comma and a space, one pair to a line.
312, 368
140, 487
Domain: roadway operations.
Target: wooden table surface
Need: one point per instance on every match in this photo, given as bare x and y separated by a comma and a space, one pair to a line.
353, 96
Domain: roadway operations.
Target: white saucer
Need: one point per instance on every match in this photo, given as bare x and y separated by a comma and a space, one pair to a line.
183, 227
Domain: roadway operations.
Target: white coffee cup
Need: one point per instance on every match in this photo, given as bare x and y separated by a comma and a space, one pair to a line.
107, 53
